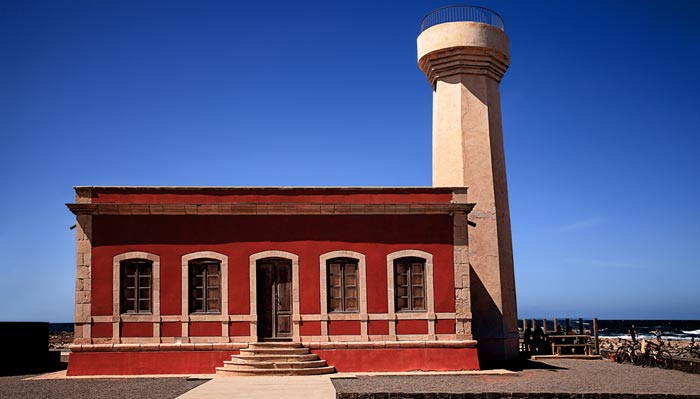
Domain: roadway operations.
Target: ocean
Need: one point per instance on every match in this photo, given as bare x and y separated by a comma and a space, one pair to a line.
60, 327
670, 329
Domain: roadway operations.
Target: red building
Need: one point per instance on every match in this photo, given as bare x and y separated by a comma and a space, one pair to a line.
180, 279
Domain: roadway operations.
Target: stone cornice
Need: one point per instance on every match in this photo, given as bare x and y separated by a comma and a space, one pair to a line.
252, 209
159, 347
463, 60
380, 189
392, 344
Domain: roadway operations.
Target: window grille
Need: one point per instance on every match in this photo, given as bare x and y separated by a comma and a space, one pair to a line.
342, 285
205, 286
136, 279
409, 290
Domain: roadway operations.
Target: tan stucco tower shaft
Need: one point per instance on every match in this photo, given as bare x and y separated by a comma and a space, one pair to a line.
464, 63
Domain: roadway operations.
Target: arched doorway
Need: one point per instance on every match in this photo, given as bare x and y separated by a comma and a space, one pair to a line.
274, 299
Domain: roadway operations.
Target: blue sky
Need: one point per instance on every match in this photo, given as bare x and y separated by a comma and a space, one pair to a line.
600, 119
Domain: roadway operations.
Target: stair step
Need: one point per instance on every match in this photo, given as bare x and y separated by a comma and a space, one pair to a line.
274, 351
274, 345
275, 358
237, 365
223, 371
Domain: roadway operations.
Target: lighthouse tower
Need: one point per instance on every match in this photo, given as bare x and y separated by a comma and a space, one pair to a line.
463, 52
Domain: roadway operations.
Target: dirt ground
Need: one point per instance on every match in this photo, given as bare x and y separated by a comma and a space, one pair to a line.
551, 376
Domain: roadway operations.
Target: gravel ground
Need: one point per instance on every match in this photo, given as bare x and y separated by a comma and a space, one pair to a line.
554, 376
156, 388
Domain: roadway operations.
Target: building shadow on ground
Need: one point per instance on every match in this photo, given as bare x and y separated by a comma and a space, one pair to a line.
528, 364
31, 369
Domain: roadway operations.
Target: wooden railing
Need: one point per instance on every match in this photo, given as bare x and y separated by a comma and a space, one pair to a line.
577, 341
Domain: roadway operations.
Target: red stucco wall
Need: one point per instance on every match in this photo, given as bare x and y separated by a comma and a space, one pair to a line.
400, 359
239, 328
126, 363
205, 329
342, 327
238, 237
445, 326
205, 362
309, 328
378, 327
102, 330
412, 327
170, 329
137, 329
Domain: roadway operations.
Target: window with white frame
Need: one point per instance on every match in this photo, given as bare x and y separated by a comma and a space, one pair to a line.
409, 284
136, 286
342, 285
205, 286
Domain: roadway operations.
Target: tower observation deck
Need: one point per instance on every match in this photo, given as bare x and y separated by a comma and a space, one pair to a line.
462, 14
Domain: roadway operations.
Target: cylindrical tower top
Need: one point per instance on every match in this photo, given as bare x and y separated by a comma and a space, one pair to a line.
462, 39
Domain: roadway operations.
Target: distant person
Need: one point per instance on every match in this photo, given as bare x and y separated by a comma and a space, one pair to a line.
569, 331
657, 333
558, 331
538, 339
633, 334
527, 339
543, 340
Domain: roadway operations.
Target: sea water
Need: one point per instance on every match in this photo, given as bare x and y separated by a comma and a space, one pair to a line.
60, 327
670, 329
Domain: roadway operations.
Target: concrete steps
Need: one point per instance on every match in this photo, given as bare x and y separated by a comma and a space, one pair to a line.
276, 372
251, 359
274, 358
274, 351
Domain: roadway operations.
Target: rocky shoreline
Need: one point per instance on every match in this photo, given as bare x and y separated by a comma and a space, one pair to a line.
60, 340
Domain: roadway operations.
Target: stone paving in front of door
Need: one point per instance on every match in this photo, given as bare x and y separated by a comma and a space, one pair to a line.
295, 387
302, 387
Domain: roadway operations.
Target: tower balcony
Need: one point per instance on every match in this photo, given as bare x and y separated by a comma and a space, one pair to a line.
461, 14
462, 40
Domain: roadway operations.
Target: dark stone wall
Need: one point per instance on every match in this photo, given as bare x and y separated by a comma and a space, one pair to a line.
27, 347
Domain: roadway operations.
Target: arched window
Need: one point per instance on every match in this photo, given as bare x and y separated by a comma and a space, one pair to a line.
205, 286
409, 274
136, 286
342, 288
409, 284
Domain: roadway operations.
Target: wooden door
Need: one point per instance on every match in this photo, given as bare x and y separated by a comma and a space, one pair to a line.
283, 308
274, 297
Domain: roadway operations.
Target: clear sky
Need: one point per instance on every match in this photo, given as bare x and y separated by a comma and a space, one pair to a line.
600, 118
